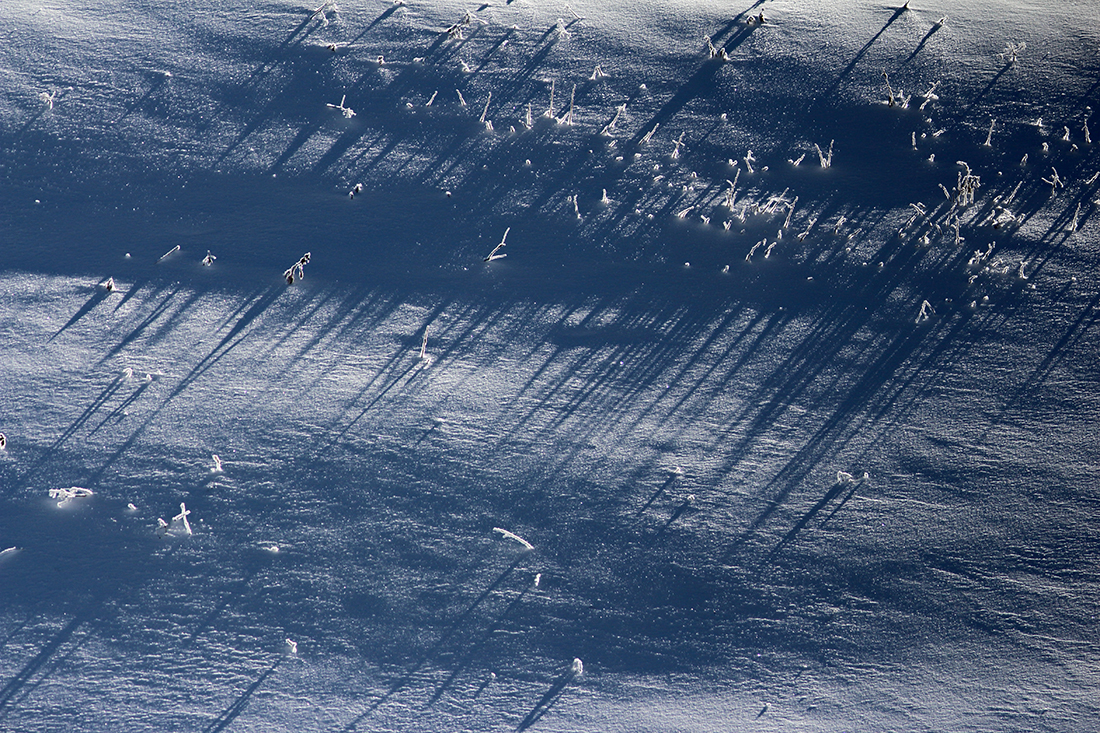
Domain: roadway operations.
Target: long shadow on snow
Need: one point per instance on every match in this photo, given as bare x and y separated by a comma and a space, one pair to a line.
433, 653
231, 713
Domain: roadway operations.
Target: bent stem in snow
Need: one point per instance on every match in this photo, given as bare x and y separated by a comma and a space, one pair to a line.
513, 536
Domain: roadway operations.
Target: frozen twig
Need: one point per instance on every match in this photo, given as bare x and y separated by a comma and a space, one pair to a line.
1055, 181
611, 125
348, 112
513, 536
182, 519
493, 255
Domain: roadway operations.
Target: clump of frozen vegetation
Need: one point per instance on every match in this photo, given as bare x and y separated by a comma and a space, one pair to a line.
1012, 52
297, 268
65, 497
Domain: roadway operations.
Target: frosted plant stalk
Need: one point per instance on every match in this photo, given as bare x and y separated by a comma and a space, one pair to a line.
217, 464
493, 255
649, 135
567, 118
1055, 181
348, 112
182, 518
299, 268
485, 110
513, 536
989, 137
926, 312
826, 160
611, 125
678, 143
929, 96
169, 252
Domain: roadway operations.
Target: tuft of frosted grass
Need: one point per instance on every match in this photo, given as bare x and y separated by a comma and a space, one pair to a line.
577, 668
1012, 52
217, 464
678, 145
109, 285
209, 259
455, 32
299, 268
493, 255
649, 135
597, 73
513, 536
291, 647
966, 187
926, 312
718, 54
65, 496
730, 196
929, 96
826, 160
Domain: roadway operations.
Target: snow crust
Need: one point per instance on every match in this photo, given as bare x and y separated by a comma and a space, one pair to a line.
824, 459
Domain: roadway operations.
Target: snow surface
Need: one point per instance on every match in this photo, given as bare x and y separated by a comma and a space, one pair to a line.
676, 415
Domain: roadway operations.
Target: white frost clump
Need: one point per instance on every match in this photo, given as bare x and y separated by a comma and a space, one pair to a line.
65, 496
